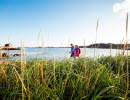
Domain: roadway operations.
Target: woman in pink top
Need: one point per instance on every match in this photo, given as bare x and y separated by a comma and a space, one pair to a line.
76, 51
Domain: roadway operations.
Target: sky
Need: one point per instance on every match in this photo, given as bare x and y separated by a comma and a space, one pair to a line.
60, 22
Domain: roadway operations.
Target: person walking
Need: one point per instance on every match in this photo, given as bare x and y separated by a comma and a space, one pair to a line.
76, 51
72, 50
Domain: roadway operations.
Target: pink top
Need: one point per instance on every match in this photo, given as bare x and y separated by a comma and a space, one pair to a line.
76, 52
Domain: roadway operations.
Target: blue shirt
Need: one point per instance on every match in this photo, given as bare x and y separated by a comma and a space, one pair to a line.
72, 49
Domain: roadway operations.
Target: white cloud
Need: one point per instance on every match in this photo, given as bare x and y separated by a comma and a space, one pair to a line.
123, 7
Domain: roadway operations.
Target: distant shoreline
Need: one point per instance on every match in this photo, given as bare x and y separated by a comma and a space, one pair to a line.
97, 45
10, 48
101, 46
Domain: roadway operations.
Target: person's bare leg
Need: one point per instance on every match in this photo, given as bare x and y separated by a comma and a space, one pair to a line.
78, 57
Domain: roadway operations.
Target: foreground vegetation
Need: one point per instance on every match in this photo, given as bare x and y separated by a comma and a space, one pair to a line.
104, 78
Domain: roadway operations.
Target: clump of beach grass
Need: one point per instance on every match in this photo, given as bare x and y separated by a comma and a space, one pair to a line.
86, 78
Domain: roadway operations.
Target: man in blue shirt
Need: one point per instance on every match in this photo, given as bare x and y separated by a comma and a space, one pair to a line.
72, 50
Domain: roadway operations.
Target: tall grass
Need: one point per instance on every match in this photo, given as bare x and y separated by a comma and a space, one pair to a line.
102, 78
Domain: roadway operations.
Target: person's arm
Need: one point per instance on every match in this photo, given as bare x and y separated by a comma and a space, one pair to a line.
70, 51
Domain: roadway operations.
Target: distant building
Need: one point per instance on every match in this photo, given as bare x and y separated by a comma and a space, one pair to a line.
9, 45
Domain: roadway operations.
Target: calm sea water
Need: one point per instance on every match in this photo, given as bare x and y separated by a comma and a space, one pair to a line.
61, 53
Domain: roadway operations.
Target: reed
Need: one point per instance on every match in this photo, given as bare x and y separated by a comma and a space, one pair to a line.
97, 26
127, 68
3, 76
41, 73
22, 71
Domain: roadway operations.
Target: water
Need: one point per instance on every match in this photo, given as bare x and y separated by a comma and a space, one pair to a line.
61, 53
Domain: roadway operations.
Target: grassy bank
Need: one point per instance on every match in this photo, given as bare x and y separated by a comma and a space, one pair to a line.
105, 78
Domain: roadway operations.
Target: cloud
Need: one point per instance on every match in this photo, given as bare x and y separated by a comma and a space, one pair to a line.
123, 7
